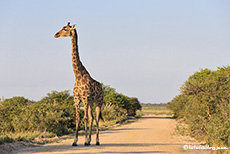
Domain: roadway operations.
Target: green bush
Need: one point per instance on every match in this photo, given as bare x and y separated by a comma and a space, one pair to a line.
178, 105
5, 139
12, 117
56, 114
204, 105
131, 105
110, 112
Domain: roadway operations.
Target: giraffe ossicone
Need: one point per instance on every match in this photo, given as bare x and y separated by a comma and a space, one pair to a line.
86, 89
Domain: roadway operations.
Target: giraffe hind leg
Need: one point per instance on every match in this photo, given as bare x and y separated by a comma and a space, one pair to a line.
98, 112
90, 114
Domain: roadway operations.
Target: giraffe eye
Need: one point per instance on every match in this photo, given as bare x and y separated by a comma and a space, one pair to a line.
65, 30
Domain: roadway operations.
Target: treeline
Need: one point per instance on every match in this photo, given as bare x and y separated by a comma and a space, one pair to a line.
55, 113
155, 105
204, 104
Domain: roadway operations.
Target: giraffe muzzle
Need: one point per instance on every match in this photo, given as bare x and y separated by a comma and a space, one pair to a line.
56, 35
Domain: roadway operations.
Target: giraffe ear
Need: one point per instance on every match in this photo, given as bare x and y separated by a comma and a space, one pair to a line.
74, 26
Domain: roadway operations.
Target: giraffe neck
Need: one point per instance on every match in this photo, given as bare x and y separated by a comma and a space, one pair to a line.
77, 65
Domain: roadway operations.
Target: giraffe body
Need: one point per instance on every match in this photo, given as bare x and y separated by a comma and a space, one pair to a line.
86, 89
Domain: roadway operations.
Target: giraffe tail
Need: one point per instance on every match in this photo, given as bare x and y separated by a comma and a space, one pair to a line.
100, 116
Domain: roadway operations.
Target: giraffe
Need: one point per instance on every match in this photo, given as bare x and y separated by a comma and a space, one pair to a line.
86, 89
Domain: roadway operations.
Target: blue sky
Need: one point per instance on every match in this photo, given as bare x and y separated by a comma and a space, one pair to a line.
143, 48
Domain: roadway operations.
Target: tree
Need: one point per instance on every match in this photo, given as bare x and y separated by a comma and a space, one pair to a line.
133, 105
121, 101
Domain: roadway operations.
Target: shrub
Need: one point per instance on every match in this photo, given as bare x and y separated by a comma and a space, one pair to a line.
204, 104
131, 105
12, 117
111, 112
178, 105
56, 114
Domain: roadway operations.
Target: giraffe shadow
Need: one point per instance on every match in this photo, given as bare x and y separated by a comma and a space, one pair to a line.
91, 149
136, 144
121, 130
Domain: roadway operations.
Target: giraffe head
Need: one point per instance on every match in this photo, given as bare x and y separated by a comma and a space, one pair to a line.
65, 31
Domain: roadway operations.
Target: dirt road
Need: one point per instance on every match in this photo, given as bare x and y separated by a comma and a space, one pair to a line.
148, 135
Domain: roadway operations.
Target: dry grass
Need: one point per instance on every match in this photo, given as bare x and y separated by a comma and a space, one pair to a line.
154, 110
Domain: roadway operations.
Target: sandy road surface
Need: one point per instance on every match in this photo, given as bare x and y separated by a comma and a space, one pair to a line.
148, 135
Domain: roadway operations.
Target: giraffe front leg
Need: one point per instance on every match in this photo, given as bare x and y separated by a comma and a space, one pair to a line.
90, 114
77, 124
87, 142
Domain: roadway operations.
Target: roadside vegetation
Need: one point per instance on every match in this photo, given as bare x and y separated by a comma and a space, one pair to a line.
204, 106
154, 109
22, 119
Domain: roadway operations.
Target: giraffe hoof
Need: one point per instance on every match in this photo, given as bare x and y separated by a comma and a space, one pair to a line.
74, 144
97, 143
87, 143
